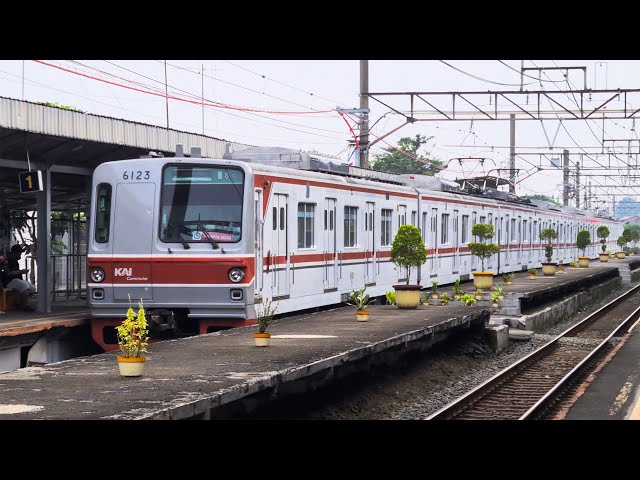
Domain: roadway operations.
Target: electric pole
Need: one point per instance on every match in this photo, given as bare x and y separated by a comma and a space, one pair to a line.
577, 184
512, 154
364, 121
565, 179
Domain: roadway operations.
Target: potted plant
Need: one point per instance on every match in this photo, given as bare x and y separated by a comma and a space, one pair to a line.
391, 297
445, 298
483, 249
457, 291
621, 243
478, 294
628, 237
494, 299
467, 300
498, 289
264, 318
434, 290
361, 301
603, 233
532, 273
547, 236
507, 278
133, 338
573, 264
635, 236
583, 240
407, 253
561, 266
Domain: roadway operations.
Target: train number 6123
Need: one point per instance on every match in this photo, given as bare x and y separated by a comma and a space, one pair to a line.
135, 175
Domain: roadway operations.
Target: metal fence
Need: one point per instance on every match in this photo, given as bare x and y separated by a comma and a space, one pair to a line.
68, 275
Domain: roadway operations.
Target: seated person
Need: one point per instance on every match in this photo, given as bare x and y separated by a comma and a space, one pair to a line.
12, 280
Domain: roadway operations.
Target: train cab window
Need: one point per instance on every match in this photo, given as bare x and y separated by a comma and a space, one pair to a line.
201, 204
103, 213
306, 222
385, 227
350, 226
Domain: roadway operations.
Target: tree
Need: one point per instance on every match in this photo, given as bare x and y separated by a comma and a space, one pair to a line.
408, 250
482, 249
583, 240
542, 197
633, 226
396, 162
548, 235
603, 233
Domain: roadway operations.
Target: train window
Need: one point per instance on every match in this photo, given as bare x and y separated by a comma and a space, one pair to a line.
201, 203
325, 219
413, 218
513, 229
385, 227
283, 218
465, 228
366, 222
350, 226
371, 221
331, 220
103, 213
306, 217
275, 218
524, 231
444, 238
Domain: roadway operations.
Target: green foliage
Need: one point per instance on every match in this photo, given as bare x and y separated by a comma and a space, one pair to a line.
445, 297
133, 333
583, 240
408, 250
621, 241
434, 287
482, 249
361, 300
532, 271
548, 235
498, 289
391, 297
393, 161
603, 232
468, 300
64, 107
628, 236
633, 226
495, 296
508, 277
456, 287
573, 263
264, 315
635, 235
542, 197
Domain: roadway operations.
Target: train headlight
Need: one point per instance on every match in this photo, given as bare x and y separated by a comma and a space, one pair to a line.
97, 274
236, 274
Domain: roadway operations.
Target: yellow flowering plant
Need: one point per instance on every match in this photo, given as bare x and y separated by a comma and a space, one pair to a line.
133, 333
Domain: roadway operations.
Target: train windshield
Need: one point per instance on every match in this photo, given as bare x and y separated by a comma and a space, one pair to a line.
200, 204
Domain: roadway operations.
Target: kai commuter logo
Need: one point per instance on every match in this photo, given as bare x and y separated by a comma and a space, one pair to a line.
123, 272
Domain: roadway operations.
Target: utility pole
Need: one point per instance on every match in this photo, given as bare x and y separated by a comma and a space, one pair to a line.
166, 92
512, 154
565, 179
202, 97
364, 121
577, 184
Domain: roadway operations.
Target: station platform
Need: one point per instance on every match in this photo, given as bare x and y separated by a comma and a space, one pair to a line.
67, 314
195, 377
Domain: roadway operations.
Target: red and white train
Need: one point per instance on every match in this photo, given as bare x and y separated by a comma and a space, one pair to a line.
200, 240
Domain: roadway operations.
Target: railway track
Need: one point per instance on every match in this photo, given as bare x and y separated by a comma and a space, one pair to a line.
535, 387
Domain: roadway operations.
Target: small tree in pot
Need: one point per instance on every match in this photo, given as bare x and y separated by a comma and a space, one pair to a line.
547, 236
603, 233
583, 240
628, 238
408, 252
622, 241
482, 249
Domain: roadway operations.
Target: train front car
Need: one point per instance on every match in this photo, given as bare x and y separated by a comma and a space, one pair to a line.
174, 233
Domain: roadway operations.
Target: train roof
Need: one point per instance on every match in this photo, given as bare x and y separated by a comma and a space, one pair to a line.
285, 161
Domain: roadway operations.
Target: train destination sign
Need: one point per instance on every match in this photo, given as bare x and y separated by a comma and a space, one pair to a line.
30, 181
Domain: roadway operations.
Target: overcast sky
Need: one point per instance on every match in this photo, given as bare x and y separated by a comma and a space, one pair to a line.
287, 99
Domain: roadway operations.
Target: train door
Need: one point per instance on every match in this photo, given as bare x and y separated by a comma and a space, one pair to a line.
330, 258
258, 240
280, 245
474, 218
370, 244
133, 277
456, 243
434, 242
